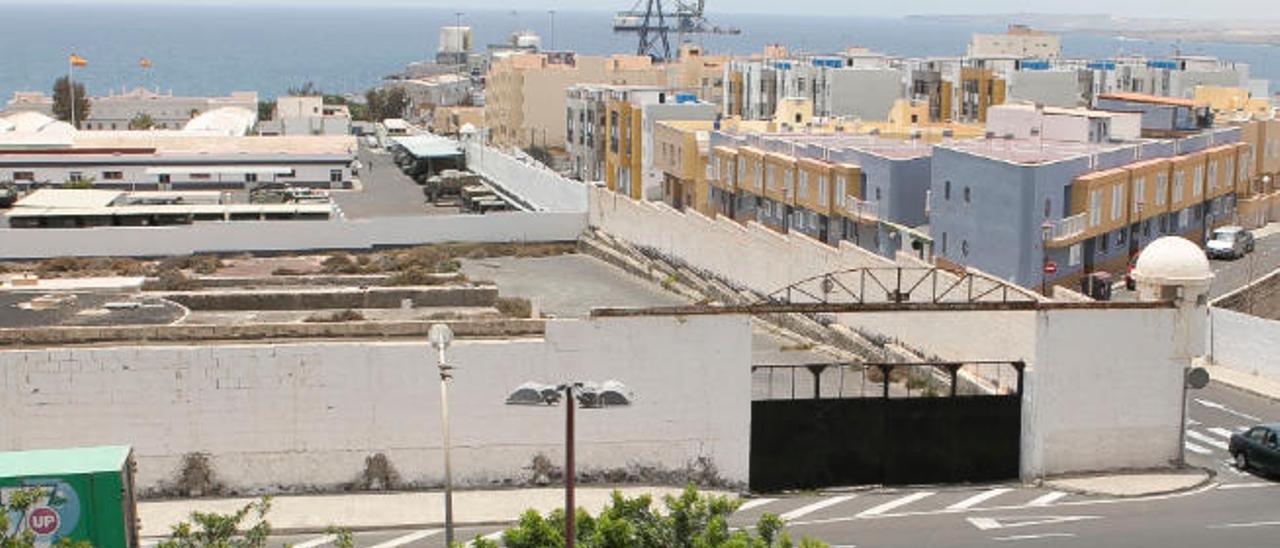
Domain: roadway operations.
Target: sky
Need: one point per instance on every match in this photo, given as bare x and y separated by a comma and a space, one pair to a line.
1147, 8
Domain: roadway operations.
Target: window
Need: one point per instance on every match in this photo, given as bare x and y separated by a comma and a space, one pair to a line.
964, 248
112, 175
201, 176
1179, 183
1184, 218
335, 175
164, 179
1048, 208
772, 174
842, 190
250, 177
944, 243
967, 195
759, 176
291, 174
1121, 235
803, 192
946, 190
1073, 255
1139, 192
787, 182
1162, 188
877, 194
822, 190
1197, 183
24, 176
1095, 207
75, 176
1104, 243
1117, 202
1213, 175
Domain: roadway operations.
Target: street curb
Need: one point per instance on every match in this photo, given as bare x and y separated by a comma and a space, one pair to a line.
368, 528
1243, 389
1209, 477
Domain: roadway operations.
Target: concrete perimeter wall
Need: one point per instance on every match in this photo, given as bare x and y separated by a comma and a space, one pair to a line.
535, 186
275, 236
1096, 379
307, 415
1246, 343
751, 256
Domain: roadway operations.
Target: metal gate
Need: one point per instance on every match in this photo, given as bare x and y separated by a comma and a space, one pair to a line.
827, 425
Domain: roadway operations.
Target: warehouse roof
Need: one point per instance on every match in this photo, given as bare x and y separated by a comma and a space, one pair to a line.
429, 146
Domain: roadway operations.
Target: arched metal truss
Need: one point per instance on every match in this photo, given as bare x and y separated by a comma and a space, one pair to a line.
901, 285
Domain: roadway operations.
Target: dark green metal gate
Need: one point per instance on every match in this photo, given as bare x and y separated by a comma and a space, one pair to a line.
827, 425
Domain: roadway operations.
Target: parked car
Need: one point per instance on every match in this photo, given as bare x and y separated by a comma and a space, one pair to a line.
1257, 448
1229, 242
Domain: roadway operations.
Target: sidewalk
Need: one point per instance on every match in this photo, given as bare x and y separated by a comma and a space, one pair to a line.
1132, 485
1245, 382
369, 511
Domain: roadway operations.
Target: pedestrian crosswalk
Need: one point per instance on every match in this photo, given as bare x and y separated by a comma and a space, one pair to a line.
877, 504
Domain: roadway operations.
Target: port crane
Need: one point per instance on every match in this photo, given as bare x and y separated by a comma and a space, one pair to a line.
655, 20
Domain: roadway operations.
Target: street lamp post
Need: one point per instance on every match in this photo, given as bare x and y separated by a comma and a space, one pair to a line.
441, 336
589, 396
1046, 228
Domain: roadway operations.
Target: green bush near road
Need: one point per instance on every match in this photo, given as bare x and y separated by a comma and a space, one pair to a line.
691, 520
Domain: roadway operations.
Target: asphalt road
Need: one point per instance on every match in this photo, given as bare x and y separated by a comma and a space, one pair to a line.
1235, 509
1230, 275
386, 192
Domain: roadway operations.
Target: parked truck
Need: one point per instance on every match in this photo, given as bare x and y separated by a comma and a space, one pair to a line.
83, 494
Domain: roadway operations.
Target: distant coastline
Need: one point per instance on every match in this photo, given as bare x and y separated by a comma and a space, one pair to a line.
1264, 32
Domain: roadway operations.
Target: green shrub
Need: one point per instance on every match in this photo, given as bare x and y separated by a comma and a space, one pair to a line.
515, 307
172, 280
340, 316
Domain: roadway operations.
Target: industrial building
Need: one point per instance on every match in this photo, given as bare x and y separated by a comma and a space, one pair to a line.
38, 151
75, 208
115, 111
307, 115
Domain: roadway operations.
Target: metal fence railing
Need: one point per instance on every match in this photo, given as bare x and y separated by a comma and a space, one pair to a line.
844, 380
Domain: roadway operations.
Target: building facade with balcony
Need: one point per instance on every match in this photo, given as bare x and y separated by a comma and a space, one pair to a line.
1010, 206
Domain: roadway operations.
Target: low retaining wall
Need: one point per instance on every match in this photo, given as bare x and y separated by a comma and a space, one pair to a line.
335, 298
285, 236
1245, 343
57, 336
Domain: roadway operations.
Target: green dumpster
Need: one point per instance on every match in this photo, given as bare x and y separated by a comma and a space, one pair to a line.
86, 494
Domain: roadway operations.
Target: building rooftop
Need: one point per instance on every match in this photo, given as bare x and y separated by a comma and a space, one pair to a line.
1148, 99
46, 198
429, 146
899, 149
1031, 151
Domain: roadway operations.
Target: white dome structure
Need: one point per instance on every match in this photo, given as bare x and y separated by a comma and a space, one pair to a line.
1172, 260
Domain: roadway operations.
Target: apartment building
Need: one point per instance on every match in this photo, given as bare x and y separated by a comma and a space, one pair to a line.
1019, 41
836, 187
631, 113
585, 115
853, 84
307, 115
1009, 206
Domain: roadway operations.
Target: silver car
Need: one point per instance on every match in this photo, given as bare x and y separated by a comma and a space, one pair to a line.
1229, 242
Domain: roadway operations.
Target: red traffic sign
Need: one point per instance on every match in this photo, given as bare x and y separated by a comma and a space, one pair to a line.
1050, 267
43, 521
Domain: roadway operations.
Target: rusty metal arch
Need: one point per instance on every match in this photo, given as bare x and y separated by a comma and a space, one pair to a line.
898, 285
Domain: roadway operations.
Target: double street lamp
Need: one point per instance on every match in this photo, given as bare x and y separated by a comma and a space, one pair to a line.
588, 396
441, 336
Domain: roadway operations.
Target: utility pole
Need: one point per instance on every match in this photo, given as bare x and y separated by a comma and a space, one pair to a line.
569, 516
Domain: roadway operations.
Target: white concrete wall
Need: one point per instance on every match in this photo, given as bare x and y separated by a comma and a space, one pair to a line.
1246, 343
751, 256
258, 236
307, 415
1103, 392
537, 185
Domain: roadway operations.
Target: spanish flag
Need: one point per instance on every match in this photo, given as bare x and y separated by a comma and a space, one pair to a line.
77, 61
144, 63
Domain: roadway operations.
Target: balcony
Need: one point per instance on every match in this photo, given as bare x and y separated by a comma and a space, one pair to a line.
1068, 228
861, 210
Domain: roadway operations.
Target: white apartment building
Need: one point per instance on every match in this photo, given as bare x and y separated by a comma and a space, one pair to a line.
1019, 42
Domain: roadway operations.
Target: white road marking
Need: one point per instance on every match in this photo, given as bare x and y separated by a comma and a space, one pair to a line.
1196, 448
1034, 537
902, 501
754, 503
1221, 432
1206, 439
1253, 485
1045, 500
406, 539
987, 524
1232, 467
1225, 409
809, 509
318, 541
978, 499
1245, 525
1192, 422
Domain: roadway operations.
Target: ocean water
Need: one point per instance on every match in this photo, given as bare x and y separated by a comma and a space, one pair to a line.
208, 50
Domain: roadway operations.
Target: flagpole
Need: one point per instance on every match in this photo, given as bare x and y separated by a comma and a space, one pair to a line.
71, 87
